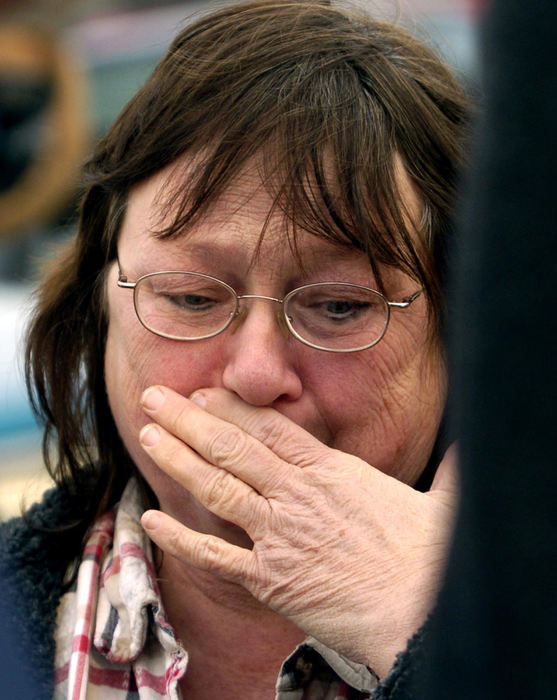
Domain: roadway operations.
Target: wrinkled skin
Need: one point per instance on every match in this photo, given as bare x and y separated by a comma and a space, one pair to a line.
327, 552
270, 486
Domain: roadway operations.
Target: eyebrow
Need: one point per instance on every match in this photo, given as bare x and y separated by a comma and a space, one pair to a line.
319, 253
203, 252
230, 252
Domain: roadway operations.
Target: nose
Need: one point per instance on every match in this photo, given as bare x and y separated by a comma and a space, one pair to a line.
259, 358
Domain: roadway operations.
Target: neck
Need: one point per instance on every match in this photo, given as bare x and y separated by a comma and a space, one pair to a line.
234, 643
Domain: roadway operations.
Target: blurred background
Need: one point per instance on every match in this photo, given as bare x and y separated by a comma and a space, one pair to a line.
67, 67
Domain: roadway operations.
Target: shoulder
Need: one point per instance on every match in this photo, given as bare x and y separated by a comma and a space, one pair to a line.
35, 551
42, 537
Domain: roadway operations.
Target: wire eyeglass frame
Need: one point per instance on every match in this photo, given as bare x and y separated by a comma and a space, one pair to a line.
124, 283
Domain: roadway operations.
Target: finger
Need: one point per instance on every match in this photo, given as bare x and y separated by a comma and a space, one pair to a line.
285, 438
220, 442
205, 552
218, 490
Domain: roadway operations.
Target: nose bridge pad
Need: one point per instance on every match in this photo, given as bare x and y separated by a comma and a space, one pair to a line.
238, 318
241, 315
282, 321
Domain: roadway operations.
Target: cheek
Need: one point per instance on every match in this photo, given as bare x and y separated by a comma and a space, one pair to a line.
355, 395
125, 380
131, 366
143, 359
384, 405
135, 359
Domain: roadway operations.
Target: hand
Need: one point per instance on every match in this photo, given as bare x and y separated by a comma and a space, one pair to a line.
349, 554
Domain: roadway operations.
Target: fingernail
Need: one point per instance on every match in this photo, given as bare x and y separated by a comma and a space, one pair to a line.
199, 398
149, 435
152, 398
150, 520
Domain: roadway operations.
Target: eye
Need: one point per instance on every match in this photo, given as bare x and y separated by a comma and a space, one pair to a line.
187, 293
330, 308
340, 309
191, 302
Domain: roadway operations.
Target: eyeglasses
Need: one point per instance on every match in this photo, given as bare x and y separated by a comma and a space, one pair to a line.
330, 316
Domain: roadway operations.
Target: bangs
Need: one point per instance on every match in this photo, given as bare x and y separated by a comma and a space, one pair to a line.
328, 160
328, 105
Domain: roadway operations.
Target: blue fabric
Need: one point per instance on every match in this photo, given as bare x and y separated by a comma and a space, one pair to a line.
34, 556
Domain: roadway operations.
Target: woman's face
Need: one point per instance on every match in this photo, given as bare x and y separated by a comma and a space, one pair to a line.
382, 404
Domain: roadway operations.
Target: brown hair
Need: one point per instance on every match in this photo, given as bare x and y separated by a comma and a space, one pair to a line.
328, 96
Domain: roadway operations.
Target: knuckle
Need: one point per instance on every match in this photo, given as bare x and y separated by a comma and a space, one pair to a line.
175, 541
171, 456
207, 552
217, 489
179, 418
227, 445
272, 432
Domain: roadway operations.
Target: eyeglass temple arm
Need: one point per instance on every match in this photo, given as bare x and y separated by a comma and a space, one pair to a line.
406, 301
122, 279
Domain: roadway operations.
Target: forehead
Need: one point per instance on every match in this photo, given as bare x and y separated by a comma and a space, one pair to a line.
243, 224
242, 218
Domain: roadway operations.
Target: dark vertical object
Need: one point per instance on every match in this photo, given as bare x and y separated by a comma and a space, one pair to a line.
495, 631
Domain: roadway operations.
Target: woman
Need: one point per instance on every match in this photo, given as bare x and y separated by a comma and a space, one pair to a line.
242, 351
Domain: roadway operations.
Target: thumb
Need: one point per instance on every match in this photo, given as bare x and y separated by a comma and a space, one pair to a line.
446, 481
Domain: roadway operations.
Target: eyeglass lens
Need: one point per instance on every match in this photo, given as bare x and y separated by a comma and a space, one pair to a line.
188, 306
183, 305
337, 316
